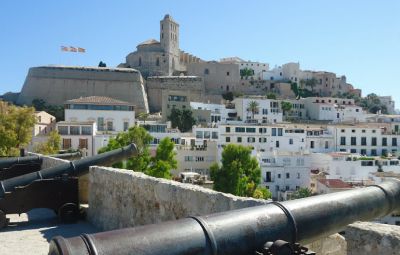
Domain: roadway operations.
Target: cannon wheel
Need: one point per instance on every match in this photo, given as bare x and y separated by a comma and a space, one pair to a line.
68, 213
3, 220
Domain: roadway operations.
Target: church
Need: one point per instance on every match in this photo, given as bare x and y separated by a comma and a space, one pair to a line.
161, 58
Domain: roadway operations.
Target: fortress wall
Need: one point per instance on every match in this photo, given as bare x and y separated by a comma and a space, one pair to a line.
55, 85
157, 84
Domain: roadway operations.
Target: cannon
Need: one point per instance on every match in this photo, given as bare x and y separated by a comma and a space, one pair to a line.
55, 188
274, 228
11, 167
68, 156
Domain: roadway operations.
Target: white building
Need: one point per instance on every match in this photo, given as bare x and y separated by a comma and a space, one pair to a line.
283, 173
370, 139
45, 123
258, 68
110, 115
211, 113
78, 135
268, 110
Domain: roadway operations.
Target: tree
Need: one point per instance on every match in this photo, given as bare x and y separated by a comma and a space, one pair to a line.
246, 72
16, 125
140, 137
253, 108
286, 107
262, 193
301, 193
239, 173
51, 146
143, 116
182, 119
102, 64
271, 96
228, 96
164, 160
56, 110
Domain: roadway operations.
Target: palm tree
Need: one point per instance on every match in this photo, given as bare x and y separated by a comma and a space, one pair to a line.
143, 116
253, 108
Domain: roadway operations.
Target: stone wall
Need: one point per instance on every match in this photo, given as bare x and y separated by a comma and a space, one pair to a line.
372, 238
122, 198
156, 86
56, 84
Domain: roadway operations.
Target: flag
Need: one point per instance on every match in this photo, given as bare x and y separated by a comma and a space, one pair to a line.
63, 48
72, 49
82, 50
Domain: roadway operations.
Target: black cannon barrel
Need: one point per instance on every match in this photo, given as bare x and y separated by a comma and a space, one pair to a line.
7, 162
77, 167
67, 155
242, 231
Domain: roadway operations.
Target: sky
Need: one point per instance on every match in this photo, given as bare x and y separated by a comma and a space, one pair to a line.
358, 38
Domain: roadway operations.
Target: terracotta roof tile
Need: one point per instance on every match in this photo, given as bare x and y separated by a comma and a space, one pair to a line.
97, 100
335, 183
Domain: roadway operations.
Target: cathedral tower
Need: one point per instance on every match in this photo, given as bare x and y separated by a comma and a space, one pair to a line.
169, 35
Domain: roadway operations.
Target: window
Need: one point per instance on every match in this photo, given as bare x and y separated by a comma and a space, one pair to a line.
206, 134
291, 141
110, 126
353, 140
240, 129
63, 130
353, 150
239, 139
100, 123
227, 129
363, 141
251, 139
280, 131
140, 62
298, 175
262, 130
363, 152
74, 130
287, 175
214, 135
279, 176
373, 152
227, 73
250, 130
83, 143
326, 145
268, 177
312, 144
199, 134
277, 144
273, 131
342, 140
384, 141
86, 130
373, 141
394, 141
188, 158
126, 125
66, 144
158, 62
227, 139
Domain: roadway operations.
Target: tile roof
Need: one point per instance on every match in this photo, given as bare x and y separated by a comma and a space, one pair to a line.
97, 100
148, 42
335, 183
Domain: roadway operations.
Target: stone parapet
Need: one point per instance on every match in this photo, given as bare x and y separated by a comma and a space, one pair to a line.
123, 198
372, 238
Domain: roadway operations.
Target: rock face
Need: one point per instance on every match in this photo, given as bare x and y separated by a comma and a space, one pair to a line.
122, 198
372, 238
56, 84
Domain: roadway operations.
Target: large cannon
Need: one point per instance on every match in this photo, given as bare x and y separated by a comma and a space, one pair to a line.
254, 230
55, 188
11, 167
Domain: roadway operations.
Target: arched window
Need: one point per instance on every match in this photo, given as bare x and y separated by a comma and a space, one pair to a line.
173, 63
158, 62
140, 61
206, 71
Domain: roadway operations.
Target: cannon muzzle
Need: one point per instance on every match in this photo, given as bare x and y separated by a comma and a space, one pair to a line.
77, 167
8, 162
242, 231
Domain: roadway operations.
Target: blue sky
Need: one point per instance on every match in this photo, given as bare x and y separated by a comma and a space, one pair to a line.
359, 38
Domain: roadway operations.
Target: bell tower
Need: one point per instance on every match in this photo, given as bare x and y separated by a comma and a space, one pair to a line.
169, 35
